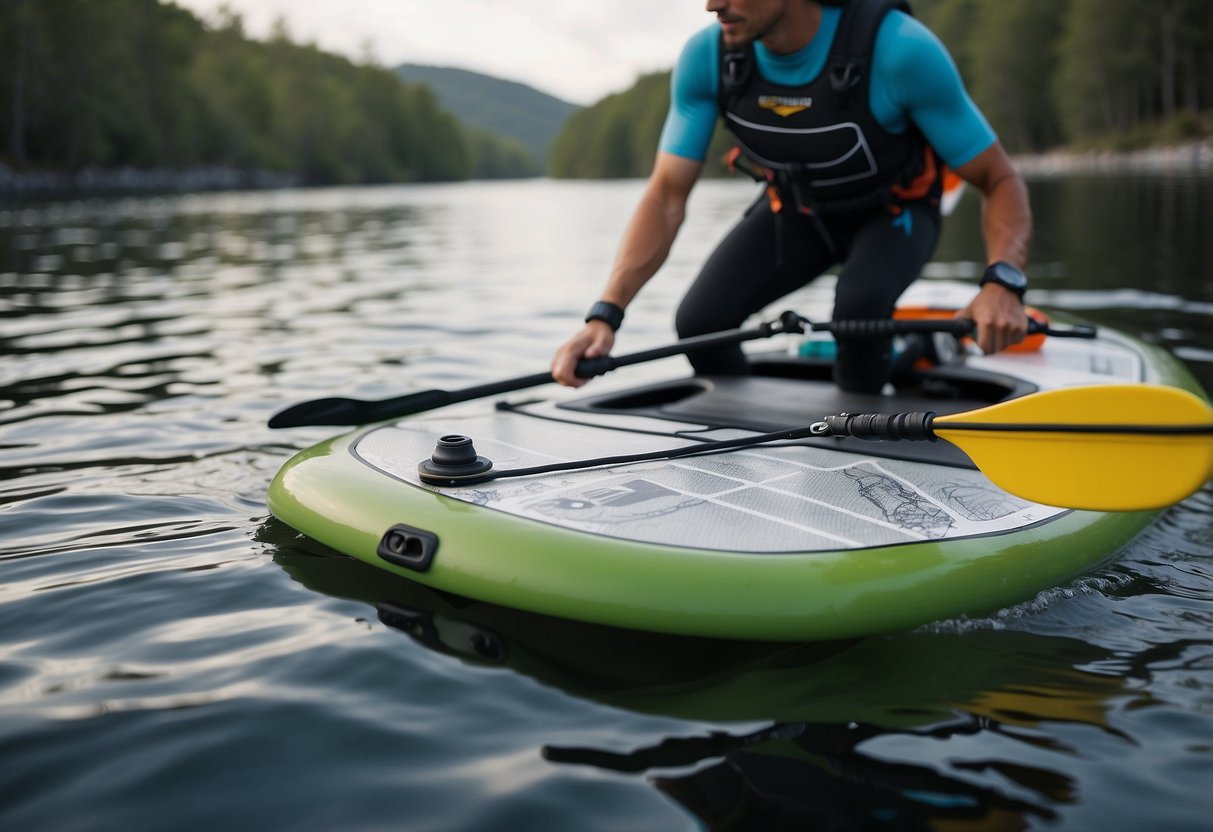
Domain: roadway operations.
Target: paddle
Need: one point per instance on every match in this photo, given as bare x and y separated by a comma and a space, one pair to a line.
345, 411
1070, 447
1067, 447
1106, 448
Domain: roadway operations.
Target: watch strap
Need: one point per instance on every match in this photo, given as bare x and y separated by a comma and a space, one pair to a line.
994, 274
609, 313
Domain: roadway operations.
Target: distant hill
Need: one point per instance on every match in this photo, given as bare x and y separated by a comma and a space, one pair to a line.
506, 108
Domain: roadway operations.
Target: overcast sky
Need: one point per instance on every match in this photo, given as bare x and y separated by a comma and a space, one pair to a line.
574, 50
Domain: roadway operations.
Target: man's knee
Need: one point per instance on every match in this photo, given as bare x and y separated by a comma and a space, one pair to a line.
697, 319
860, 306
863, 367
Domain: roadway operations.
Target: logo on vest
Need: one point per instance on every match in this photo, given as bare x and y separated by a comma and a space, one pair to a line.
784, 106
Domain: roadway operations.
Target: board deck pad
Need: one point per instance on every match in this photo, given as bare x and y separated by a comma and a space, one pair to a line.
802, 497
770, 499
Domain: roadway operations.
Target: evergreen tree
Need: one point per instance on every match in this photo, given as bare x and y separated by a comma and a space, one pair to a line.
1012, 82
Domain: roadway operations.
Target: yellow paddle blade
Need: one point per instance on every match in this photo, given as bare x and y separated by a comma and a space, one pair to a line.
1125, 468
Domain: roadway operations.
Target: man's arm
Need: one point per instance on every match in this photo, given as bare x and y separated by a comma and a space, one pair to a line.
1006, 223
920, 81
646, 243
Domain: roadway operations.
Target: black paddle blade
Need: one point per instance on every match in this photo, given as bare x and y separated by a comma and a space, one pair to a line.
330, 411
346, 412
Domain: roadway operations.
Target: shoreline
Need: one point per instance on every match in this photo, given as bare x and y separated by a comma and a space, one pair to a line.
1189, 157
129, 181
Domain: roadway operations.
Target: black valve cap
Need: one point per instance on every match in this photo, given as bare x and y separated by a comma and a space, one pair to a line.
454, 456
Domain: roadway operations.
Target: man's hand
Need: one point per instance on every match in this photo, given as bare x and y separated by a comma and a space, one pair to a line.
1000, 318
595, 340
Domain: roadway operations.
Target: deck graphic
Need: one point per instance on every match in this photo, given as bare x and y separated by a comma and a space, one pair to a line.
770, 499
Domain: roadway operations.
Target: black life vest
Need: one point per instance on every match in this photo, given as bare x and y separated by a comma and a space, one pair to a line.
818, 143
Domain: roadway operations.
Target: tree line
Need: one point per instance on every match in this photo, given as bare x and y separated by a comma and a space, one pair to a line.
1047, 73
146, 84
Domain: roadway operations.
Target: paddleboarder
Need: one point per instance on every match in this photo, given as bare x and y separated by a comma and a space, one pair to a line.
850, 112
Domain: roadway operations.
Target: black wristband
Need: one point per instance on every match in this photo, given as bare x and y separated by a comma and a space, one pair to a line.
609, 313
1007, 276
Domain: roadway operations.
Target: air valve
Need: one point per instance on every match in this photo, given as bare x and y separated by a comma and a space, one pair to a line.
454, 459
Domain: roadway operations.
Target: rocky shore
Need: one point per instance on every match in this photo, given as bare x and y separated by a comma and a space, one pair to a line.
15, 184
1192, 157
1180, 158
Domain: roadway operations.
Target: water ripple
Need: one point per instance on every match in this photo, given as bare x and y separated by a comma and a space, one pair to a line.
163, 643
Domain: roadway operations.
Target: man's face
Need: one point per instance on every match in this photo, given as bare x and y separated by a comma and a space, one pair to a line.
744, 21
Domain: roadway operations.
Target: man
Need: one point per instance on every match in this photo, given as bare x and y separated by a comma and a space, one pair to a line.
847, 109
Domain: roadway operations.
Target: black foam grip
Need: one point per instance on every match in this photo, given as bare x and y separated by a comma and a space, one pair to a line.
911, 426
877, 328
591, 367
885, 327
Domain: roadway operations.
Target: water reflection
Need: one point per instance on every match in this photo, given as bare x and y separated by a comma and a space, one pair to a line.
915, 730
810, 776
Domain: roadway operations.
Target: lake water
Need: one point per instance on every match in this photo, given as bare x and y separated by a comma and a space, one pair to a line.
170, 657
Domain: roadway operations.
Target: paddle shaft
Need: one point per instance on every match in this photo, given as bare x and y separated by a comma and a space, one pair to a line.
586, 368
347, 411
593, 367
880, 328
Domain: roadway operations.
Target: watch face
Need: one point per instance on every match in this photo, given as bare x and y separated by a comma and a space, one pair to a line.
1008, 275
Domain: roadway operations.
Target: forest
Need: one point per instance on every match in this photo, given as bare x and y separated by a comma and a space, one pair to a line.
144, 84
1080, 74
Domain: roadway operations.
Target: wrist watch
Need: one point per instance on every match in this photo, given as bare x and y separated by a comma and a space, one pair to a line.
609, 313
1006, 276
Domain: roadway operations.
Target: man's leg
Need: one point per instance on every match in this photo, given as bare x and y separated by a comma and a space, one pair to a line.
884, 256
764, 257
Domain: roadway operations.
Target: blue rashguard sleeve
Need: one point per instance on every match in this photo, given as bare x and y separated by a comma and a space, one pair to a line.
915, 80
694, 109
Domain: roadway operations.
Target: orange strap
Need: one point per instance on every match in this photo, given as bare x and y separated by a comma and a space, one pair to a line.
774, 198
921, 185
731, 158
1031, 343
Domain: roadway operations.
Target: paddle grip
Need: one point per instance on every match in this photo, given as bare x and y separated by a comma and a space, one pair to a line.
591, 367
886, 327
959, 327
1077, 331
889, 426
1038, 327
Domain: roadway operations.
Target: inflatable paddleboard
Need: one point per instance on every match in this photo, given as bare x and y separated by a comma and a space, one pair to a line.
813, 539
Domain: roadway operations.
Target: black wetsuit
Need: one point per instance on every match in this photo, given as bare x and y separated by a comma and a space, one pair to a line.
768, 255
